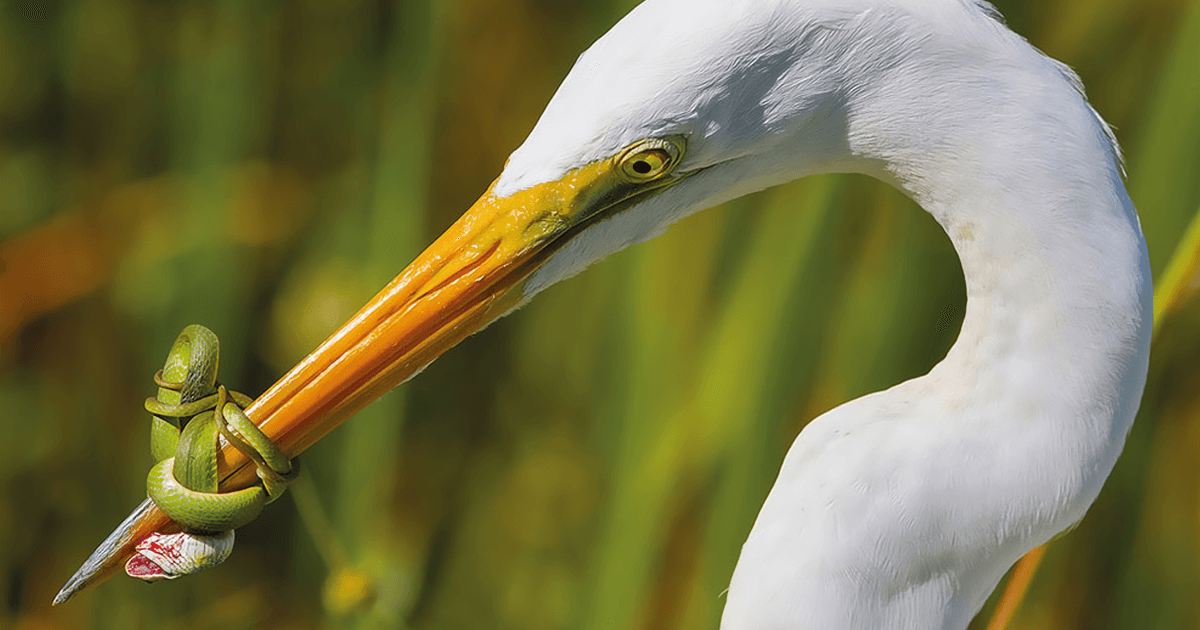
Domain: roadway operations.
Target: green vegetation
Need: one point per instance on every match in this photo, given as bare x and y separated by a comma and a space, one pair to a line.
593, 461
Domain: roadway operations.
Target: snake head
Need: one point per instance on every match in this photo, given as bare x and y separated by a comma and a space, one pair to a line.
168, 556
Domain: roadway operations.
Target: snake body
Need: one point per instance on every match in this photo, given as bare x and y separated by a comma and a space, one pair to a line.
190, 414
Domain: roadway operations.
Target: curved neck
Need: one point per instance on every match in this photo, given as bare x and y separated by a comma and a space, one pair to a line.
904, 508
1059, 301
1025, 179
1009, 439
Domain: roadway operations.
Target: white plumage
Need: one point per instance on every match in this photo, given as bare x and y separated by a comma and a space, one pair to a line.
902, 509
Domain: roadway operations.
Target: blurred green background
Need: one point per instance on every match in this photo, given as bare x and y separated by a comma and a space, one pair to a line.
593, 461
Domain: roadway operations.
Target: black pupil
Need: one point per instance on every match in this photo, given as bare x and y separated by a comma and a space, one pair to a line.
641, 167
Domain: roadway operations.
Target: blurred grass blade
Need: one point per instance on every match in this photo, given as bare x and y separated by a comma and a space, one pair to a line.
740, 402
689, 416
649, 457
1163, 182
1181, 277
1022, 575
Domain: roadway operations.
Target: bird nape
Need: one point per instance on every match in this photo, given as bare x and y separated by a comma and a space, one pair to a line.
902, 509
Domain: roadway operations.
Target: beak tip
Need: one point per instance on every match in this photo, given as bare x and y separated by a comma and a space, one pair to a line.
108, 556
84, 576
69, 589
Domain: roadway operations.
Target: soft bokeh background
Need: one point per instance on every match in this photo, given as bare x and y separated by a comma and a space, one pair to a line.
593, 461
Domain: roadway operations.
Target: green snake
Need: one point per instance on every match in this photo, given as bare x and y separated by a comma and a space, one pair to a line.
189, 414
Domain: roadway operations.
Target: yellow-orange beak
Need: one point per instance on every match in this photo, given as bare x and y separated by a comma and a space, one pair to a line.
471, 275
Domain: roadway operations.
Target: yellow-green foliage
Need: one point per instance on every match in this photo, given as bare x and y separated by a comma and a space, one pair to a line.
593, 461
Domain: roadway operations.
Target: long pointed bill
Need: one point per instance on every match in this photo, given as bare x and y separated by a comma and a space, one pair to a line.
471, 275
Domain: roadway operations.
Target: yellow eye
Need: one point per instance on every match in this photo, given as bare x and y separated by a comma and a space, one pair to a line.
650, 159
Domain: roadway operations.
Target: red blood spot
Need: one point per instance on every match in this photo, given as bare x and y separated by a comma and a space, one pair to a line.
143, 568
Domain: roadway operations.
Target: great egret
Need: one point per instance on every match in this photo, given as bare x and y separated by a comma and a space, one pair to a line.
904, 508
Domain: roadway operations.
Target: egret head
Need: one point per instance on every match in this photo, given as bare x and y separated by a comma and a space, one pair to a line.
753, 94
744, 99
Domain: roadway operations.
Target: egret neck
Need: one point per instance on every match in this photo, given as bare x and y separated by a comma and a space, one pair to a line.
903, 509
